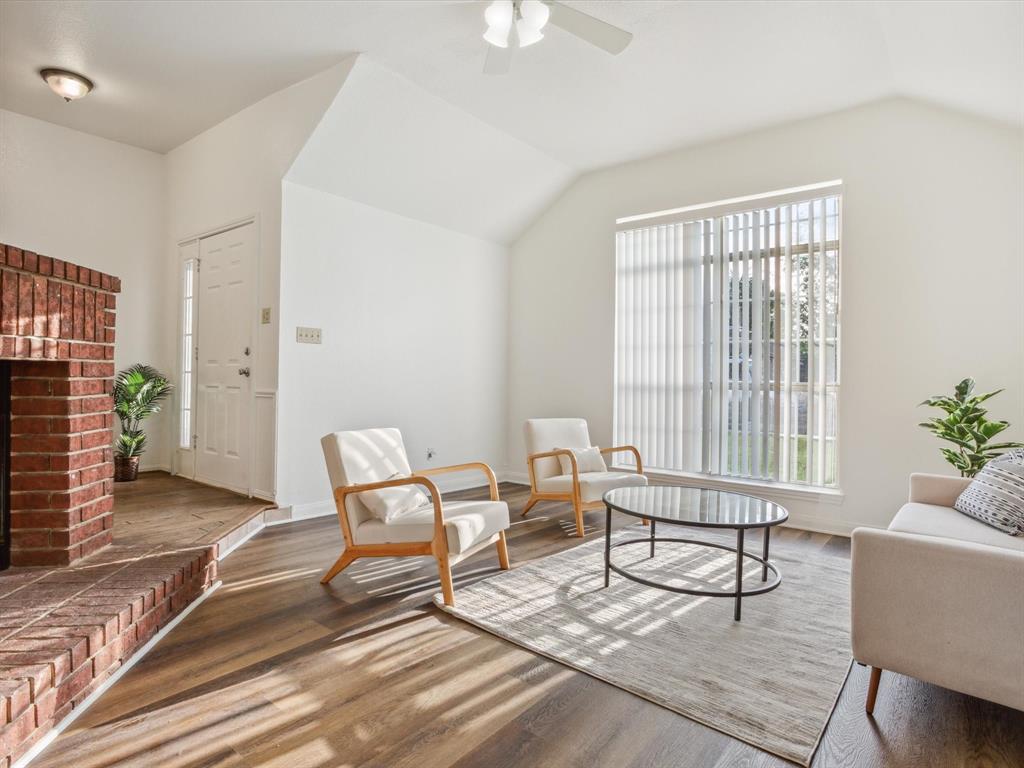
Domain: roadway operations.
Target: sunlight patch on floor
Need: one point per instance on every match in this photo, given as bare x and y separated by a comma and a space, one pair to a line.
273, 578
315, 753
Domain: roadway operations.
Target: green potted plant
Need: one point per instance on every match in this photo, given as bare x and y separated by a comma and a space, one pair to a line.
966, 426
138, 391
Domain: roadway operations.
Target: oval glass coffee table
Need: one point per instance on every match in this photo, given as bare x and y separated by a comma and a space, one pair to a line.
696, 508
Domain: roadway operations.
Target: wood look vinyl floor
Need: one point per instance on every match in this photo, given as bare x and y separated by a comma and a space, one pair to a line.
275, 670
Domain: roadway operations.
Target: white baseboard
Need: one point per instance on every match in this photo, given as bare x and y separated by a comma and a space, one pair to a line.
820, 524
807, 522
325, 507
297, 512
89, 700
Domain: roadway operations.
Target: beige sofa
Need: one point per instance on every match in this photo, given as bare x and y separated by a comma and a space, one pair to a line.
940, 596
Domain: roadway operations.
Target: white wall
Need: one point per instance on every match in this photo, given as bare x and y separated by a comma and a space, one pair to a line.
233, 171
394, 219
932, 273
388, 143
414, 321
97, 203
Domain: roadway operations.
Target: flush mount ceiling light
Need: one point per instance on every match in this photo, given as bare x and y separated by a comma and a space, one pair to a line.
68, 85
515, 24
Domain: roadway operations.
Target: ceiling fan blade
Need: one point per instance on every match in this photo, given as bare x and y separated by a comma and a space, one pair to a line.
586, 27
498, 60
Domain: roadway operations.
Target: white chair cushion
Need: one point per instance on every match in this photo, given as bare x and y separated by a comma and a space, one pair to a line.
593, 485
587, 460
363, 456
543, 435
946, 522
390, 504
466, 523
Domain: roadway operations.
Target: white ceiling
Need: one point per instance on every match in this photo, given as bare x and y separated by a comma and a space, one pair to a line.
166, 71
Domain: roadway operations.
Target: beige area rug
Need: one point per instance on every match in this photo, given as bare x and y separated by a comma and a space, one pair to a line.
770, 680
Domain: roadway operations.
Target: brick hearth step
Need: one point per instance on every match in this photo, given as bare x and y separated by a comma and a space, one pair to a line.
64, 632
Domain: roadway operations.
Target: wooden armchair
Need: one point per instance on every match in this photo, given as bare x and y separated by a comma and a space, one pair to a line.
373, 459
549, 439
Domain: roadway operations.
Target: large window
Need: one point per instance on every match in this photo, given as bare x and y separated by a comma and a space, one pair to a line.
727, 338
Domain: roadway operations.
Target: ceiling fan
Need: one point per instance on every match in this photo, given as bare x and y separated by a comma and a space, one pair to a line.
513, 24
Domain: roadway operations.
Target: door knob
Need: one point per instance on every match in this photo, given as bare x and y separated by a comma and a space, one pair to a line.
243, 371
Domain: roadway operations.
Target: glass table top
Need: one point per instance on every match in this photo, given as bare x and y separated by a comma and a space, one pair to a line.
700, 507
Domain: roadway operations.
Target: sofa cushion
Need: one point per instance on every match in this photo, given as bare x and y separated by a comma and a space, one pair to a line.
465, 522
996, 494
946, 522
593, 485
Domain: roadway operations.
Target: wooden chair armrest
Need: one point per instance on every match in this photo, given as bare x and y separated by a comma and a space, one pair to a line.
632, 449
492, 481
435, 495
550, 454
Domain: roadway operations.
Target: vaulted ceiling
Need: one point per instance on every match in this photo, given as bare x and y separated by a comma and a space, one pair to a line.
165, 71
388, 143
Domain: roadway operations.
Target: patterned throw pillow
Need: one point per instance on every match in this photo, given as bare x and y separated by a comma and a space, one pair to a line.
996, 494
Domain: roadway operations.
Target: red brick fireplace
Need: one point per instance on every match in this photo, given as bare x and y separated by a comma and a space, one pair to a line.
56, 366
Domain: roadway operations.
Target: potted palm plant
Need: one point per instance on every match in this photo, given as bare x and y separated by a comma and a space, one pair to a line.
138, 391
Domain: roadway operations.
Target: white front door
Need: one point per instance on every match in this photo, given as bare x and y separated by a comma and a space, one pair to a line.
224, 355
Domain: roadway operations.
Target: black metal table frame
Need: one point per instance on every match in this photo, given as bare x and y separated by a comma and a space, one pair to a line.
738, 593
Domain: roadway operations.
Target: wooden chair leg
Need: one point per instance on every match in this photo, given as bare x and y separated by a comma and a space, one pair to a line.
529, 505
578, 509
876, 675
343, 562
447, 590
502, 547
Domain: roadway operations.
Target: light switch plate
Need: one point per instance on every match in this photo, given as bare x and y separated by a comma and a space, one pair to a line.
307, 335
265, 316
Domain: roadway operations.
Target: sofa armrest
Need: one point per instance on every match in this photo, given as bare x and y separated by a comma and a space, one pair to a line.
945, 611
941, 490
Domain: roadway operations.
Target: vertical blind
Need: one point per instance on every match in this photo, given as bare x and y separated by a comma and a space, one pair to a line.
727, 341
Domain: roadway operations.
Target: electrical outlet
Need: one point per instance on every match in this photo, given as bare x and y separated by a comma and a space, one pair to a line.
307, 335
265, 316
430, 453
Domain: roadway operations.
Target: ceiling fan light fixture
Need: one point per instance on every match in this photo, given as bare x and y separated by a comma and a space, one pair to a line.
66, 84
497, 37
528, 35
499, 16
534, 13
